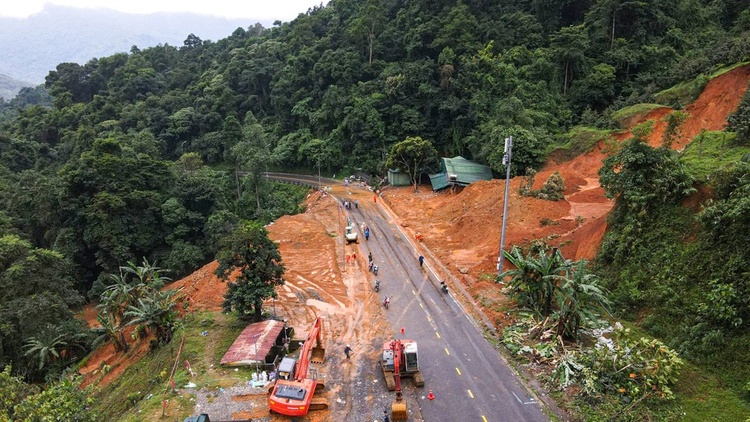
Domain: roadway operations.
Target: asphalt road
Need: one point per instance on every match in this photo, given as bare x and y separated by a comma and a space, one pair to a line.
467, 375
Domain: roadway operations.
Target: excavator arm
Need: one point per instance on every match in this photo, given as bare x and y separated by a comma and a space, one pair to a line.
318, 353
398, 408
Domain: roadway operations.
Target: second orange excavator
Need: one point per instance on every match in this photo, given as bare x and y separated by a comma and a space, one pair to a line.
400, 360
294, 396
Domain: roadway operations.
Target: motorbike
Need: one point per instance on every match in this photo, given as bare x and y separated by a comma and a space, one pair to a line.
377, 285
443, 287
386, 302
375, 269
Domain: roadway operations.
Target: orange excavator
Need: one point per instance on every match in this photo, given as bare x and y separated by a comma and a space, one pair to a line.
294, 396
400, 360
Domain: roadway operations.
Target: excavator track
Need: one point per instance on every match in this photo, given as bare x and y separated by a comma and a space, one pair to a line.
418, 379
390, 381
318, 403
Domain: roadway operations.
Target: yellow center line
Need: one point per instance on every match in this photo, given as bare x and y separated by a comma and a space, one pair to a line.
459, 371
484, 419
420, 305
414, 292
470, 394
438, 334
447, 352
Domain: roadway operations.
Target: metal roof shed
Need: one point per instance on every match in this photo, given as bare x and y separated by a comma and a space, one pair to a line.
397, 178
253, 344
459, 171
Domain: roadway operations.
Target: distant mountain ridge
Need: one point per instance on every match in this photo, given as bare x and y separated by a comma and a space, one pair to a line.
30, 48
9, 87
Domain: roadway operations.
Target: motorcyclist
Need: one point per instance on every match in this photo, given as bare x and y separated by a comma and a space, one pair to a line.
386, 302
443, 286
377, 285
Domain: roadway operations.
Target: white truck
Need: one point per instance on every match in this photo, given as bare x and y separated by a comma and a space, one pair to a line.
351, 235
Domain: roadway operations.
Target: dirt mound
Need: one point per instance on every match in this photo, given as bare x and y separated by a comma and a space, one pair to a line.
202, 289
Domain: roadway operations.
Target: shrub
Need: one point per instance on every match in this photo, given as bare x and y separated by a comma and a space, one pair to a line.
633, 369
553, 188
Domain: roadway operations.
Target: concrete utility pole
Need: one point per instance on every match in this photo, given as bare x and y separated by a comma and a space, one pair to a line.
506, 163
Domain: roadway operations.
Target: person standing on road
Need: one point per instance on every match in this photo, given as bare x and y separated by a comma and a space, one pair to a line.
369, 256
356, 203
385, 416
421, 260
347, 351
367, 233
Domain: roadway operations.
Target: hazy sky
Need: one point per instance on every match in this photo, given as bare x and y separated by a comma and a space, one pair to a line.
283, 10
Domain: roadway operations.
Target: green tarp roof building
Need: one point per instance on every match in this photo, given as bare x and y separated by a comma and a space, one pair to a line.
459, 171
396, 178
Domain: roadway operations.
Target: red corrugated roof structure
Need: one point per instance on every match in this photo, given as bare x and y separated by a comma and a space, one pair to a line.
243, 351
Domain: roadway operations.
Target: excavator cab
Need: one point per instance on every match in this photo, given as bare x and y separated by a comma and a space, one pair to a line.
410, 357
285, 371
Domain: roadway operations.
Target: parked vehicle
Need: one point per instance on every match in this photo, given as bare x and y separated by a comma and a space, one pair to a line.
399, 360
295, 396
351, 235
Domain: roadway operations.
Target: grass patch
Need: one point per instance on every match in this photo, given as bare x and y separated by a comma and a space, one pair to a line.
700, 396
578, 140
138, 394
726, 69
688, 91
624, 117
683, 93
711, 151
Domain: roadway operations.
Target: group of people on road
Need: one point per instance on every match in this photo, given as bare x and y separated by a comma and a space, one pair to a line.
386, 300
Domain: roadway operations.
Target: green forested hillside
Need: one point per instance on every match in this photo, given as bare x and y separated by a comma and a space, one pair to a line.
139, 155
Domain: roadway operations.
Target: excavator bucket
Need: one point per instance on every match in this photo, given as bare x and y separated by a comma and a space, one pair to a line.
398, 410
318, 355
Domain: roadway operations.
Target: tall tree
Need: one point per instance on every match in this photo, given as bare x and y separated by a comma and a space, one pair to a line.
413, 156
252, 156
257, 261
569, 47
